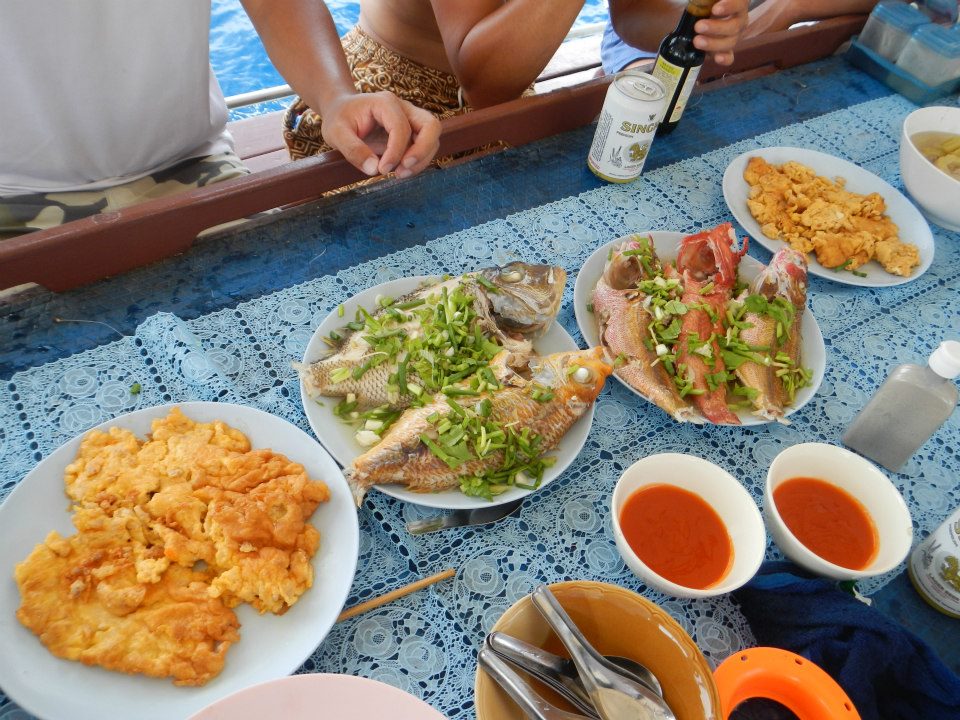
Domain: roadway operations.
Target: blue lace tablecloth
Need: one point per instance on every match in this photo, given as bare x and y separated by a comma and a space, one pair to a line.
426, 643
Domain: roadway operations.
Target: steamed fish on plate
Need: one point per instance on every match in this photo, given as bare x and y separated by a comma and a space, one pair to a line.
485, 439
400, 353
688, 337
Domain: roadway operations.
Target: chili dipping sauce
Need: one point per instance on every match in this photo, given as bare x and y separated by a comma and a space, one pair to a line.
677, 535
829, 521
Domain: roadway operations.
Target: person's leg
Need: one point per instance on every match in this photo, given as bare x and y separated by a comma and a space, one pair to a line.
21, 214
616, 55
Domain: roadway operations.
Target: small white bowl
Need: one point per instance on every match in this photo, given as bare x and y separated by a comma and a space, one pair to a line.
931, 188
721, 491
861, 479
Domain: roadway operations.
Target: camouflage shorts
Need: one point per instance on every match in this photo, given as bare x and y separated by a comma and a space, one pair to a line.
21, 214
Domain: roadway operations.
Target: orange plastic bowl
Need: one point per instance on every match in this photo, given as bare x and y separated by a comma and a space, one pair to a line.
782, 676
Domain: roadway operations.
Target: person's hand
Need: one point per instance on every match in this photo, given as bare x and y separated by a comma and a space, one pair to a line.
379, 133
718, 34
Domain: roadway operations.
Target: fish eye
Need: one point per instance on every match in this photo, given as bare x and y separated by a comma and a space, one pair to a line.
511, 276
583, 375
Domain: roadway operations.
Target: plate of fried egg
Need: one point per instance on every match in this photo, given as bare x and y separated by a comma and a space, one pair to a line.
169, 558
482, 419
853, 227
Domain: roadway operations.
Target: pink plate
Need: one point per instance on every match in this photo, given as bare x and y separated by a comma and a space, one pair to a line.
303, 697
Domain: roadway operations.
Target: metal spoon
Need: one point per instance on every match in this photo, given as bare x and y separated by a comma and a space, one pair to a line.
532, 704
612, 693
560, 673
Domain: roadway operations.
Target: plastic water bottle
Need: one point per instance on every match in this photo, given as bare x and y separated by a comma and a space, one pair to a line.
907, 409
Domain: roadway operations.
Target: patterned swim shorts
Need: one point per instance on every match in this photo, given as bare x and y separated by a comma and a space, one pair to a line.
21, 214
375, 68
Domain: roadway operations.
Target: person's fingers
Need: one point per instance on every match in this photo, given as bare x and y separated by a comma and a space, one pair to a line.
388, 111
720, 28
426, 140
723, 58
356, 151
726, 8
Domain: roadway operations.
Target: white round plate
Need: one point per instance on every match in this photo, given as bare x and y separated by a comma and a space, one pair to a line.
309, 697
338, 436
813, 353
271, 646
913, 227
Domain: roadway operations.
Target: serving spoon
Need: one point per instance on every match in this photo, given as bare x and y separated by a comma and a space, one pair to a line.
612, 693
560, 673
532, 704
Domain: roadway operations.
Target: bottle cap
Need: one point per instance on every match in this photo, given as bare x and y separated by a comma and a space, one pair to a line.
945, 360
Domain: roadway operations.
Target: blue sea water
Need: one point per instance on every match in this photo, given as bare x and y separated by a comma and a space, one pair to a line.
242, 65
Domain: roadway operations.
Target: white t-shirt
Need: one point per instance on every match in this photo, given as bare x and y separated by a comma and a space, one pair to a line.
95, 93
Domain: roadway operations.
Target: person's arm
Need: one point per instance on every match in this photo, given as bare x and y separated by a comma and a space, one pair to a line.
644, 23
301, 40
775, 15
497, 49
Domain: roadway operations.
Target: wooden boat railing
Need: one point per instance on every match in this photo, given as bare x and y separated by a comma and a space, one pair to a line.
107, 244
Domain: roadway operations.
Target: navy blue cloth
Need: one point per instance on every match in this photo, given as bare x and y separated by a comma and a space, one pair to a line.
615, 54
888, 672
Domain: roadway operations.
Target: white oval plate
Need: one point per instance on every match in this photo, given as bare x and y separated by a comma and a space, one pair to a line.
315, 696
812, 350
913, 227
337, 436
271, 646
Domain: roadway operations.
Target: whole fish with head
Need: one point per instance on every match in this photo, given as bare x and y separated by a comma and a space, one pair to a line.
769, 315
707, 264
410, 347
484, 441
628, 329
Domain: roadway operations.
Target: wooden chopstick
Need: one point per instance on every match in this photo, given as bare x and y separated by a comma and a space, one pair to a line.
394, 594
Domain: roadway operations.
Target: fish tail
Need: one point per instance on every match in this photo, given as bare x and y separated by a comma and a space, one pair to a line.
357, 490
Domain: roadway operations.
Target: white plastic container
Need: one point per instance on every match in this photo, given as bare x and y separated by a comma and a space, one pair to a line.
889, 27
932, 54
934, 567
907, 409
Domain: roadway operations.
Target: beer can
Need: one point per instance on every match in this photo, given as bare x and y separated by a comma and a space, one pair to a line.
632, 109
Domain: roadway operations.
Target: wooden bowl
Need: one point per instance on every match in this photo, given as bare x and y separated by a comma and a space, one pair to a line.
616, 621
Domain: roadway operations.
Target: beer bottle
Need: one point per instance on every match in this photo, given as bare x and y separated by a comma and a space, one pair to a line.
679, 62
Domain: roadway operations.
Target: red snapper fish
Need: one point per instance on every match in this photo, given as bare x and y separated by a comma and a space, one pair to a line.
773, 308
471, 439
625, 314
707, 264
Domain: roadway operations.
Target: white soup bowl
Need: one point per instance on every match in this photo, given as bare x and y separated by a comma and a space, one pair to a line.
721, 491
862, 480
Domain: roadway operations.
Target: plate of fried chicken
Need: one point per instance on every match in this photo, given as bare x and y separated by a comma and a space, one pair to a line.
700, 329
168, 558
853, 227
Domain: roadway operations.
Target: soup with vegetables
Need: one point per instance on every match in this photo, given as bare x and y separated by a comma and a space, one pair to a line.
940, 148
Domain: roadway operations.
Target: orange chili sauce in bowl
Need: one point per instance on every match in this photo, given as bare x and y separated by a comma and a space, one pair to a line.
678, 535
829, 521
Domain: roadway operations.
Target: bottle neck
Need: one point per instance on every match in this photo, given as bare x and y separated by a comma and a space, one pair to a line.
685, 26
700, 8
